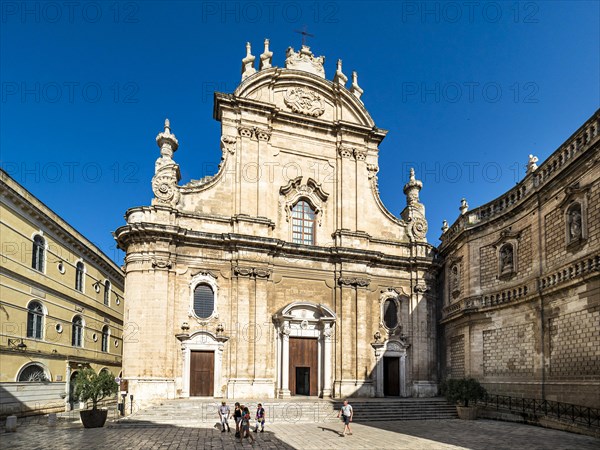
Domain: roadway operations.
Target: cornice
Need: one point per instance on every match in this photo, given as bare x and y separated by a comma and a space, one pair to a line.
145, 232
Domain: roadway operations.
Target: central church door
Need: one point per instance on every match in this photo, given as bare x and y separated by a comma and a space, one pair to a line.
202, 374
303, 366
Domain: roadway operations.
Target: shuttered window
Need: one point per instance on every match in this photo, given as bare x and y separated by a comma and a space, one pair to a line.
204, 301
390, 314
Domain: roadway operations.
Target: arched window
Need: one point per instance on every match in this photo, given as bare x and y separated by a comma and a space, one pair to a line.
204, 301
35, 320
38, 258
107, 293
33, 373
390, 314
105, 338
77, 332
303, 223
79, 274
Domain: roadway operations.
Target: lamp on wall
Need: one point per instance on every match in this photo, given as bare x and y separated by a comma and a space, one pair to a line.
20, 346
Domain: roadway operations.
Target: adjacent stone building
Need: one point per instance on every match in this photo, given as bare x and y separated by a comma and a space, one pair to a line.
520, 281
61, 306
283, 274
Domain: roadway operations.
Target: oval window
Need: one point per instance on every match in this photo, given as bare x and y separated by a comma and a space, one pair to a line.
390, 314
204, 301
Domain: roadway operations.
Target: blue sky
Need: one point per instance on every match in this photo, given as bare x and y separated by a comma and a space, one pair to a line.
466, 89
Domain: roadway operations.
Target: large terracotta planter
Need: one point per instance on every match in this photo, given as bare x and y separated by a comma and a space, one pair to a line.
467, 412
93, 418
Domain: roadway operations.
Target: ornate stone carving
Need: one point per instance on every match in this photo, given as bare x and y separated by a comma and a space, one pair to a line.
360, 155
305, 60
263, 135
161, 263
372, 170
419, 228
243, 271
228, 143
420, 288
304, 101
166, 171
246, 132
257, 272
414, 213
312, 191
354, 281
345, 152
262, 273
255, 133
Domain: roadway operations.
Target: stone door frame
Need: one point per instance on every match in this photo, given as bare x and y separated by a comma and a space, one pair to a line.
392, 348
308, 320
202, 341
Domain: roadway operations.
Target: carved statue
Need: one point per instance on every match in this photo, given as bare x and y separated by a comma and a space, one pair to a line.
455, 278
575, 229
506, 259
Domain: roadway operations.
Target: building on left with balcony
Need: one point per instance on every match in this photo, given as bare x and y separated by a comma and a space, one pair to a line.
61, 306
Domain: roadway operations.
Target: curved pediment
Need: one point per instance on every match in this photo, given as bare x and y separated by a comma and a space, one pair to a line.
307, 95
306, 310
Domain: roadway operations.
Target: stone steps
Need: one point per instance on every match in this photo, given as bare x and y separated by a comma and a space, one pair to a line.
195, 412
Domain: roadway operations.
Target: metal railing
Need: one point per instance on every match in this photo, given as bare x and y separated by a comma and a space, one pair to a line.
581, 415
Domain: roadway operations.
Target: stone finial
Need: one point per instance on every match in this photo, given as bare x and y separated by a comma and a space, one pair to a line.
248, 63
414, 212
166, 141
531, 164
464, 206
266, 58
445, 226
339, 77
355, 88
412, 189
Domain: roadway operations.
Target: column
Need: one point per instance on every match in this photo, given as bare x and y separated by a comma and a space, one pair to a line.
403, 375
68, 388
186, 370
378, 370
327, 360
285, 361
217, 371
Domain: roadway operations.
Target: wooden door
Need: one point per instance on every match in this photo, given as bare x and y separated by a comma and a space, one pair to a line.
303, 365
201, 374
391, 376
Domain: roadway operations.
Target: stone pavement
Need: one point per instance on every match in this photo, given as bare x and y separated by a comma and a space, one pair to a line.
416, 434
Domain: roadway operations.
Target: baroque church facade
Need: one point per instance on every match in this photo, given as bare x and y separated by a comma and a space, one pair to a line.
283, 274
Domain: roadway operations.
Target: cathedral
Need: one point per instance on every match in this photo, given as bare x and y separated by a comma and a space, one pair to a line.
283, 274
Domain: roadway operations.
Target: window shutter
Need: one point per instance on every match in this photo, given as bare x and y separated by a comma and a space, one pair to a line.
204, 301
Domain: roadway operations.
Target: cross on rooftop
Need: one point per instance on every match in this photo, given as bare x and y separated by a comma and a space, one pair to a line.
304, 34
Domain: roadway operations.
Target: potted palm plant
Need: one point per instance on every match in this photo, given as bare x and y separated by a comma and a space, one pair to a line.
94, 387
464, 393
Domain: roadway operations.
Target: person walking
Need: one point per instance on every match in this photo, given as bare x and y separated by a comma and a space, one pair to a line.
260, 418
246, 426
346, 412
237, 416
224, 414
